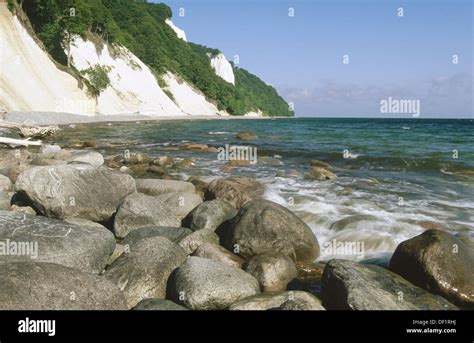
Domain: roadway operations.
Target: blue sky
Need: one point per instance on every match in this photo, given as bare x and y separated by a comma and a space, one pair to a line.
406, 58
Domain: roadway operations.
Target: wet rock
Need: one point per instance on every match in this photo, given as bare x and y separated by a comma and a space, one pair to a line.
348, 285
49, 240
157, 187
290, 173
163, 161
262, 226
191, 242
195, 146
247, 136
321, 164
140, 210
75, 190
174, 234
209, 215
184, 163
204, 284
143, 272
270, 161
49, 286
158, 305
438, 262
272, 270
236, 190
217, 253
320, 174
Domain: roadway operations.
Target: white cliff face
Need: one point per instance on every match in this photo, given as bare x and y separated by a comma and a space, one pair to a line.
133, 87
190, 100
223, 68
29, 80
180, 33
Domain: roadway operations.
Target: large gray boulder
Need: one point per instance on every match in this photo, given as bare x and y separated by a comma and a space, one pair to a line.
217, 253
158, 305
49, 286
37, 238
438, 262
290, 300
204, 284
272, 270
236, 190
301, 301
174, 234
90, 157
158, 186
140, 210
75, 190
193, 241
347, 285
262, 226
143, 271
209, 215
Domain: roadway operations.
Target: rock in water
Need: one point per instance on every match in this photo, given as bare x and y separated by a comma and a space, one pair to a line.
158, 187
174, 234
49, 240
272, 270
158, 305
143, 272
262, 226
247, 136
74, 190
348, 285
217, 253
209, 215
49, 286
204, 284
236, 190
140, 210
438, 262
321, 174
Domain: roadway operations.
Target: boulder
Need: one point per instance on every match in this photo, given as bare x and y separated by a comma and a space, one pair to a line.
75, 190
25, 237
158, 305
209, 215
49, 151
5, 201
204, 284
157, 186
90, 157
42, 161
143, 271
348, 285
247, 136
438, 262
191, 242
49, 286
301, 301
272, 270
174, 234
5, 184
163, 161
270, 161
290, 300
217, 253
141, 210
321, 164
320, 174
262, 226
236, 190
23, 209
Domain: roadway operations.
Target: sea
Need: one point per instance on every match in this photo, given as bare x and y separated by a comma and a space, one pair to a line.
395, 177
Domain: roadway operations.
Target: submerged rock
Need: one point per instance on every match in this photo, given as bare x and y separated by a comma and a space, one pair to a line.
209, 215
270, 161
204, 284
321, 174
143, 272
438, 262
247, 136
262, 226
49, 286
49, 240
75, 190
140, 210
348, 285
236, 190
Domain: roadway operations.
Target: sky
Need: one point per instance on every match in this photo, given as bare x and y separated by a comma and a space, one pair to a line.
388, 54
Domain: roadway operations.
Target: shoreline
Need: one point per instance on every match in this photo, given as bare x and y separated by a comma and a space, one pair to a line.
61, 118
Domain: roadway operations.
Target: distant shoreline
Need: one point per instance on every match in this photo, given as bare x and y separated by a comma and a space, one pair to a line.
57, 118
